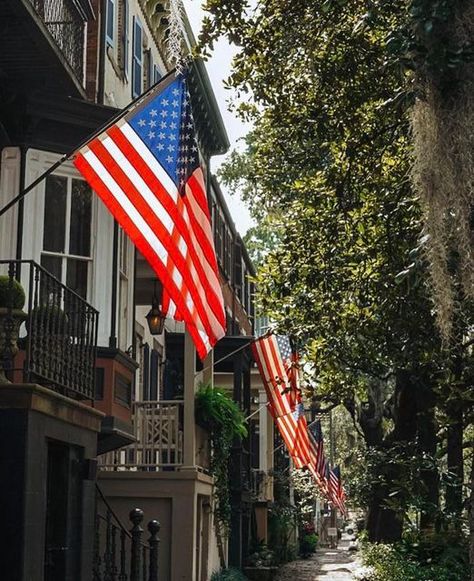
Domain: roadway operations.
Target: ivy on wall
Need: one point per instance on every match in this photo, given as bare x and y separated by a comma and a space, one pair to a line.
217, 413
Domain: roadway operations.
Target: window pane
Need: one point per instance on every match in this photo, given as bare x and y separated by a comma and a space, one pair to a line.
54, 213
80, 229
53, 264
76, 278
137, 49
110, 20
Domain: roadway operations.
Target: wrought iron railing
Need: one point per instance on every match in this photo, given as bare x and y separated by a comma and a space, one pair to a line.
61, 333
158, 438
67, 28
119, 554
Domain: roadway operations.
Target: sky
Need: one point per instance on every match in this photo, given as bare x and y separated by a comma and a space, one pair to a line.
218, 68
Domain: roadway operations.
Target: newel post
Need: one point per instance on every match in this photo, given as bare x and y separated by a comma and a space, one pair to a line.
136, 517
154, 542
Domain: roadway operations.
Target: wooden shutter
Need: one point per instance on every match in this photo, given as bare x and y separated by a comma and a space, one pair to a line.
154, 371
137, 58
123, 35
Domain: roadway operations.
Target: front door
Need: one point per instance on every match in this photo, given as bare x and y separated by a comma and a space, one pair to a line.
63, 513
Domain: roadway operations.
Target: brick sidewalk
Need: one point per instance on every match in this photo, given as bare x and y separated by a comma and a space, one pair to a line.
325, 565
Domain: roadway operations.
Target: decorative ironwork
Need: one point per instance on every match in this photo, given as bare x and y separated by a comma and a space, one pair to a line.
130, 554
61, 327
67, 28
158, 438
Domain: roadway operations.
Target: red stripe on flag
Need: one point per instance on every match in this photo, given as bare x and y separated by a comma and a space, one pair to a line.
140, 242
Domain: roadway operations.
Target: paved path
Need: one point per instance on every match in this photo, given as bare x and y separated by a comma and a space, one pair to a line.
325, 565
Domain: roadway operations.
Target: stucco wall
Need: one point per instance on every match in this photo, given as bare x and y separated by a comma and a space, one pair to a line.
181, 502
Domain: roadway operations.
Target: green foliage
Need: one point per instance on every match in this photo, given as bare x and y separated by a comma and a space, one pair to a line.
228, 575
281, 525
11, 293
440, 559
308, 544
423, 42
261, 556
217, 412
221, 417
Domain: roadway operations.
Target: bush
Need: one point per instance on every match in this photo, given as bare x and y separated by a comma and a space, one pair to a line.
11, 293
436, 559
308, 544
228, 575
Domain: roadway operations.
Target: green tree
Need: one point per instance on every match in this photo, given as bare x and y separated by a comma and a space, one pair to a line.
328, 167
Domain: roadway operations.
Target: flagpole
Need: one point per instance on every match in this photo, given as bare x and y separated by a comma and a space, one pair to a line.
67, 156
253, 340
256, 411
241, 348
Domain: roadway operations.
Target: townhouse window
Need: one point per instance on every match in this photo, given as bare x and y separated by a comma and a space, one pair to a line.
66, 251
228, 244
137, 58
148, 68
218, 236
110, 22
238, 275
123, 34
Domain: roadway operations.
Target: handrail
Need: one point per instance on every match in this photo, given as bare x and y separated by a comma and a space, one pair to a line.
47, 273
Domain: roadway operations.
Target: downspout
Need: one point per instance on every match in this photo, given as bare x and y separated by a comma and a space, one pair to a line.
20, 222
100, 100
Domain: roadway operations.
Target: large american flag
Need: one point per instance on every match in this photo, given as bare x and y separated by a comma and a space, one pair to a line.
278, 370
146, 168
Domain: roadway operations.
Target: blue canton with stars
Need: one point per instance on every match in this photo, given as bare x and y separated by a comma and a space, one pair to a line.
299, 411
316, 432
166, 126
284, 345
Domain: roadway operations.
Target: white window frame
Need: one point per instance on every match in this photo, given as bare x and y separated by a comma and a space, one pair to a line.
125, 297
65, 256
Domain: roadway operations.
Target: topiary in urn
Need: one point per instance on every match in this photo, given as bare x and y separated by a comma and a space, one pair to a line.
12, 300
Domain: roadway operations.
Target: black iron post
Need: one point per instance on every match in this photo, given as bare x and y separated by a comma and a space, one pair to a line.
136, 517
153, 541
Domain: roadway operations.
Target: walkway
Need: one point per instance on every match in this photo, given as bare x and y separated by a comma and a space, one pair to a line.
325, 565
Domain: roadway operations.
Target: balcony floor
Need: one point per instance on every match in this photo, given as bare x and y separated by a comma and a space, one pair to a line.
29, 58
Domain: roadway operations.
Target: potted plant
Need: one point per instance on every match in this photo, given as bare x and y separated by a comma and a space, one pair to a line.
12, 300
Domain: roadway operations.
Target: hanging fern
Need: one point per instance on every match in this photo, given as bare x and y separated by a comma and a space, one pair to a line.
217, 413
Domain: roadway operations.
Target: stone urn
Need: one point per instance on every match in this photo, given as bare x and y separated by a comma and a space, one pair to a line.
10, 323
12, 299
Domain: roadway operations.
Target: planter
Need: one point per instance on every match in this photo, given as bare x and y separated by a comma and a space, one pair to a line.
10, 323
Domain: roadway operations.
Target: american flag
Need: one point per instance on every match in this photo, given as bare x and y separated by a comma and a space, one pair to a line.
276, 363
336, 493
318, 464
146, 168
